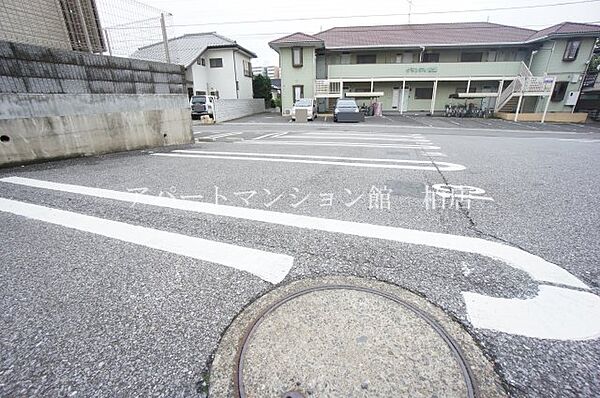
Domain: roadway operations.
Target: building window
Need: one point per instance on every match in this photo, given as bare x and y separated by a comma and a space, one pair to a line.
345, 60
200, 92
399, 58
247, 68
471, 57
215, 94
297, 57
298, 92
571, 50
216, 62
560, 89
201, 61
423, 92
366, 59
431, 57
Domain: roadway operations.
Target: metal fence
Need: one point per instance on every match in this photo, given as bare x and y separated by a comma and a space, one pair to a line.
128, 25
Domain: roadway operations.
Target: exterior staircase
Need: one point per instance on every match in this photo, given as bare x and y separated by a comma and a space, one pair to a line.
523, 85
510, 106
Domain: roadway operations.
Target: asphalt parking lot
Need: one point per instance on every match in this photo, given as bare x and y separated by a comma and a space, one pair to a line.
123, 271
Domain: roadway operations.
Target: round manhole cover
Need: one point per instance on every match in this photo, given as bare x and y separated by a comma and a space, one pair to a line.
350, 339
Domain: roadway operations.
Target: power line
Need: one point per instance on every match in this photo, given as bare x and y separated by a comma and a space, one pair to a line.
493, 9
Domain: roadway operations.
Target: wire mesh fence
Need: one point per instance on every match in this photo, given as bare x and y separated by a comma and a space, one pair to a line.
129, 25
111, 27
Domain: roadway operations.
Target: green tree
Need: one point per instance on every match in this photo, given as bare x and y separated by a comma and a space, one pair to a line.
261, 87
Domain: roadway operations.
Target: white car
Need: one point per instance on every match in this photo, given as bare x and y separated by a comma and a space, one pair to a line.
306, 103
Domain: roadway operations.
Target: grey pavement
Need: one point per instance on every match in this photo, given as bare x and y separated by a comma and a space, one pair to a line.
85, 314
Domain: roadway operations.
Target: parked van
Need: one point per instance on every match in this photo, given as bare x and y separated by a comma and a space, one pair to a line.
202, 105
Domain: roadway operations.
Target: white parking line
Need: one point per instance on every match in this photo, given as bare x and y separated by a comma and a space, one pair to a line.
348, 137
216, 136
339, 144
271, 267
564, 314
410, 164
364, 134
265, 136
535, 266
433, 154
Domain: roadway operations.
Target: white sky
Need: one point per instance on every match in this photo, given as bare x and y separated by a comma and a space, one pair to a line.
206, 16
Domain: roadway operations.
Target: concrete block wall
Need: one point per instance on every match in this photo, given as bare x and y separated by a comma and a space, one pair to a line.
229, 109
27, 68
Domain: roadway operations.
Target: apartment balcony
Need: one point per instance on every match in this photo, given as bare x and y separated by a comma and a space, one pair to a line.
427, 71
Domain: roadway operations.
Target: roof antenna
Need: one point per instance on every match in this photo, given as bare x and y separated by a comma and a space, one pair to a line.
488, 19
410, 2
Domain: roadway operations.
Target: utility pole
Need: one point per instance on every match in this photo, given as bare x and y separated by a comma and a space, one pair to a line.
410, 2
165, 39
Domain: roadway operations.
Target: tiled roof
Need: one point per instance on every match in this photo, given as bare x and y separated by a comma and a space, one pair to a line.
442, 34
186, 49
297, 37
423, 35
566, 28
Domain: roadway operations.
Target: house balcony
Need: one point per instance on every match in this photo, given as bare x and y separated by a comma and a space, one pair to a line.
427, 71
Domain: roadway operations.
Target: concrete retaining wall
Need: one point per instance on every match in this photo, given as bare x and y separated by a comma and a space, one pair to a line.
56, 104
37, 127
555, 117
229, 109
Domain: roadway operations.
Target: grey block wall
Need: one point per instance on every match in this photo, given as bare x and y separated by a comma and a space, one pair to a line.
27, 68
229, 109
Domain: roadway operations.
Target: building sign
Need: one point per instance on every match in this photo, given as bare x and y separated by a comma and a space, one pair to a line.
431, 69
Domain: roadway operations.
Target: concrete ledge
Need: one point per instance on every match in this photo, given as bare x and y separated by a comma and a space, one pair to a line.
15, 106
230, 109
31, 139
555, 117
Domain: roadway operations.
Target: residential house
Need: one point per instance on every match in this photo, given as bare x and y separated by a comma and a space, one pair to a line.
215, 65
425, 67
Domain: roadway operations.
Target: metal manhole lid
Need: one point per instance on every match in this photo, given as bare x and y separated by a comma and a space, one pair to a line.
332, 339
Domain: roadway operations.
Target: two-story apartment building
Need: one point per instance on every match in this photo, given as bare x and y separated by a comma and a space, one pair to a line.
425, 67
214, 65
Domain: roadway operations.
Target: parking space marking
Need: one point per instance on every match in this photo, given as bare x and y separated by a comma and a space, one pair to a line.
265, 136
339, 144
434, 154
553, 309
362, 134
217, 136
271, 267
538, 268
340, 161
345, 137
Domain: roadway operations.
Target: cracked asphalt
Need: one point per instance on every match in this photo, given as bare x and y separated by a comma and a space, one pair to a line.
87, 315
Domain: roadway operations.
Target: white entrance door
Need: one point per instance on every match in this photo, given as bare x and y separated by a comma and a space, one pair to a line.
395, 98
397, 102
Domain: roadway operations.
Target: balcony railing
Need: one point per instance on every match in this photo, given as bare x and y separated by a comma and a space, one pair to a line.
452, 70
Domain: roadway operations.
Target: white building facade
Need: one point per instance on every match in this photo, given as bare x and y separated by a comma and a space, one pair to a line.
215, 65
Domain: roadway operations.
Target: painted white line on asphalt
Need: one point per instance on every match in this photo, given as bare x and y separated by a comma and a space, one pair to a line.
538, 268
400, 126
578, 140
453, 166
555, 313
363, 134
339, 144
453, 122
280, 134
432, 154
347, 137
431, 167
265, 136
271, 267
221, 135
